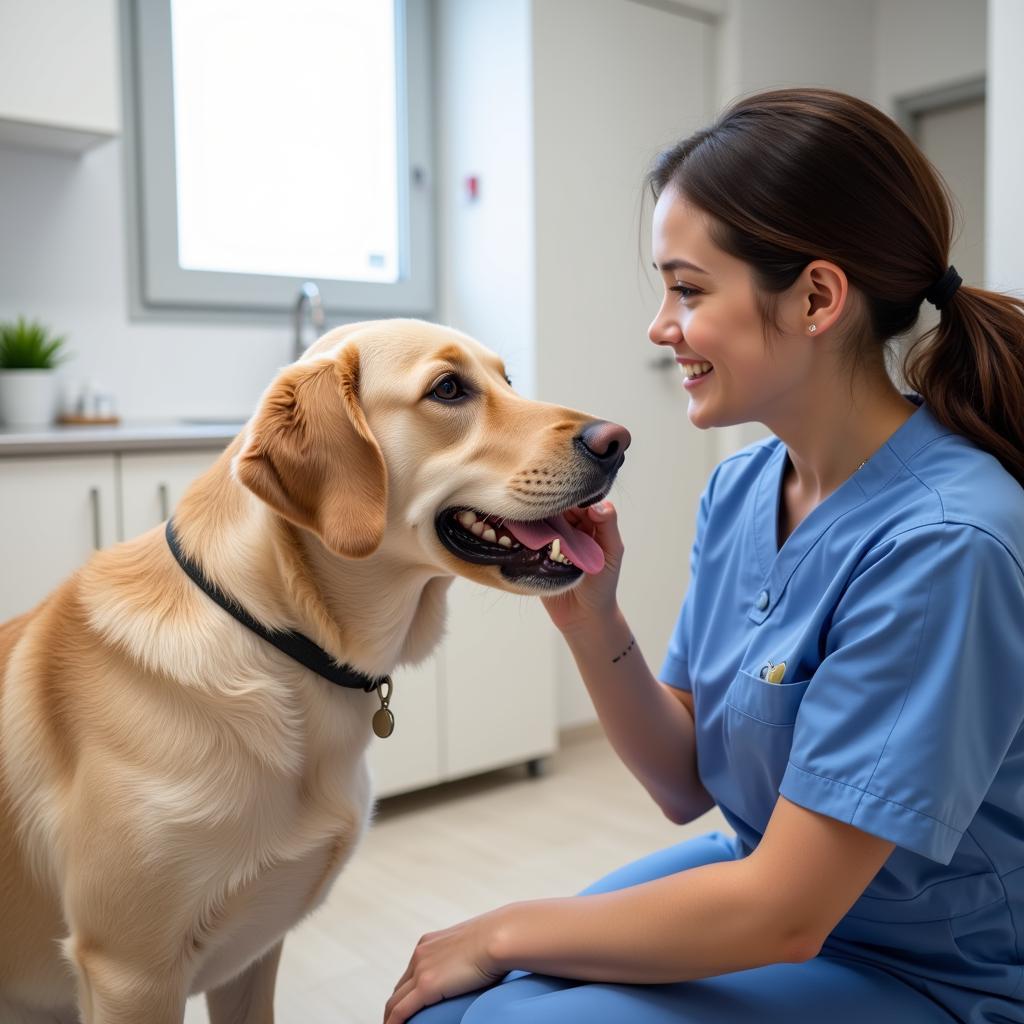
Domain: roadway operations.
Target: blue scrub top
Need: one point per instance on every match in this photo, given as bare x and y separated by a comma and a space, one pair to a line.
893, 616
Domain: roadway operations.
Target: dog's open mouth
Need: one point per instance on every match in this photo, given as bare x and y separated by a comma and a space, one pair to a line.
548, 549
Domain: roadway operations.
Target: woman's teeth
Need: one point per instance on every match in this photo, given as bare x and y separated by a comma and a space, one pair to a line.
485, 531
691, 370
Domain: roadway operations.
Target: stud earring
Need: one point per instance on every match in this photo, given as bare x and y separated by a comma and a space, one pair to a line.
812, 328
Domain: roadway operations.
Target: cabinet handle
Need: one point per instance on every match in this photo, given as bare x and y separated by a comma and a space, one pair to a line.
165, 505
94, 498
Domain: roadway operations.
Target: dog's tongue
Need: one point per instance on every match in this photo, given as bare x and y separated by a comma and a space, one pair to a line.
579, 547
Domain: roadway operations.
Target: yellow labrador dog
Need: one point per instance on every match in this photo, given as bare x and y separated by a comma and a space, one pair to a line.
176, 791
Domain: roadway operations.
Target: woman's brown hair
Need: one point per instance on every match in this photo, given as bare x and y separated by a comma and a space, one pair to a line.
792, 175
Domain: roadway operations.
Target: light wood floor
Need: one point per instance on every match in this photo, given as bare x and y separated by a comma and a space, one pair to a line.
439, 856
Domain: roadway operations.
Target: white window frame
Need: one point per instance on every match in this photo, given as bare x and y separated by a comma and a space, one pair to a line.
165, 285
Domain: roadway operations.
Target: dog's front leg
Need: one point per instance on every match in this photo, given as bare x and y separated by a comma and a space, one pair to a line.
249, 997
115, 989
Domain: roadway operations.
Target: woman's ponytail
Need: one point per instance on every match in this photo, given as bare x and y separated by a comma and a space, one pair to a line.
969, 369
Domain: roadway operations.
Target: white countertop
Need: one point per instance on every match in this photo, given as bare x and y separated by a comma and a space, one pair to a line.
130, 435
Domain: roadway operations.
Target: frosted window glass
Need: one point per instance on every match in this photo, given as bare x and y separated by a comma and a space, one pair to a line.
286, 137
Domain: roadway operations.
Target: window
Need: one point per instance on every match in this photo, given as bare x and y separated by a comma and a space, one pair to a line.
280, 142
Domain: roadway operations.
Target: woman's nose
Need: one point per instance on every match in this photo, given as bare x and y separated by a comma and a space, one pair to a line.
664, 330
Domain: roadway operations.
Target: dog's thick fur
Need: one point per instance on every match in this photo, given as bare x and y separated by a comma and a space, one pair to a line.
175, 793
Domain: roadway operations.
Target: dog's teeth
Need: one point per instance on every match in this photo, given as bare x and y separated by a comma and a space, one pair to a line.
467, 519
490, 535
477, 528
505, 542
556, 548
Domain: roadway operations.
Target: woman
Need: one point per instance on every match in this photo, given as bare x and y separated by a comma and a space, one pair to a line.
846, 676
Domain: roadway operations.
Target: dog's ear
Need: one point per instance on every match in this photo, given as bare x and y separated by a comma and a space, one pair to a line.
311, 456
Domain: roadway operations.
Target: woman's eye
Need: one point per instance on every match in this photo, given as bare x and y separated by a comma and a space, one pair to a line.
448, 389
682, 290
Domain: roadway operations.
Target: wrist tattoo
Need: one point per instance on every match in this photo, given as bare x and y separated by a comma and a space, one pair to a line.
632, 641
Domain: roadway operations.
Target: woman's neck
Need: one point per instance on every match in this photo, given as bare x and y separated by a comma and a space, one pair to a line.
830, 433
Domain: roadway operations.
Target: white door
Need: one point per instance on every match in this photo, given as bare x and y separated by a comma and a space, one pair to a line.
619, 81
54, 512
153, 482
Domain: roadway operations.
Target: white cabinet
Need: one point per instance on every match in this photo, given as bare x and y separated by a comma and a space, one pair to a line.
499, 670
485, 698
59, 81
411, 756
54, 512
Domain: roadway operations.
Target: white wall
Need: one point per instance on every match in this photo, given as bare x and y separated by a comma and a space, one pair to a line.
1004, 253
922, 45
771, 43
484, 129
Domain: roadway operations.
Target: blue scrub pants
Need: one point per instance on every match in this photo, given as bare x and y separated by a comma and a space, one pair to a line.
825, 989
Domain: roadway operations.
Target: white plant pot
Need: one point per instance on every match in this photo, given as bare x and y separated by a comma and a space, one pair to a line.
28, 398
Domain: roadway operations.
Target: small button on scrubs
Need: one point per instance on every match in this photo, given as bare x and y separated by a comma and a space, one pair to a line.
893, 616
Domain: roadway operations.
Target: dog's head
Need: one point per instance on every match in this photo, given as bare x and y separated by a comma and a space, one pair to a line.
404, 436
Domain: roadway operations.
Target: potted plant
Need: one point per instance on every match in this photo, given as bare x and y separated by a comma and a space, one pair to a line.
29, 354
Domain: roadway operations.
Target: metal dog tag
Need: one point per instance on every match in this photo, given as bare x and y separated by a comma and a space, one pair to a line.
383, 719
383, 723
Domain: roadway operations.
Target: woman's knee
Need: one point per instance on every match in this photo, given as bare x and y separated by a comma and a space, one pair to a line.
521, 999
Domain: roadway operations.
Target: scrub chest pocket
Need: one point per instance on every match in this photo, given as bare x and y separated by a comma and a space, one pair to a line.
757, 726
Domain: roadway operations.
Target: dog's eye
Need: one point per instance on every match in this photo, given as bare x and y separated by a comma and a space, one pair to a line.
449, 389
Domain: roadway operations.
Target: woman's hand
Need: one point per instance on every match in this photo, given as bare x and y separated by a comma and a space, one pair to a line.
446, 964
593, 598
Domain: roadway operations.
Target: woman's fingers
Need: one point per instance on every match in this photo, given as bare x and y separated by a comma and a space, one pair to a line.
400, 1007
605, 520
405, 977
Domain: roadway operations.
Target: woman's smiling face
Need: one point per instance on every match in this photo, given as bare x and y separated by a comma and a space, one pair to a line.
709, 314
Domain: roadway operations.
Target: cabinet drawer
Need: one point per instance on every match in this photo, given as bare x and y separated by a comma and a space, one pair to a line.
54, 512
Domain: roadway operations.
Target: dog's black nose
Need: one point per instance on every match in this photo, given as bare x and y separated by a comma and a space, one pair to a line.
605, 442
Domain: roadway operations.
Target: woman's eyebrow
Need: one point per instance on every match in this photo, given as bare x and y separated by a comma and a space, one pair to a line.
671, 265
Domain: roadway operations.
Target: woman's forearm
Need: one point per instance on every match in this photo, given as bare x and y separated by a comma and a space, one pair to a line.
698, 923
649, 729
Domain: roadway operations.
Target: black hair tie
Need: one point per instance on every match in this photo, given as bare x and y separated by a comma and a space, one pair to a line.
942, 291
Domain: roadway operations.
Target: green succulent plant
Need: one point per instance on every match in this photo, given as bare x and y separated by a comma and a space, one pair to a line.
26, 345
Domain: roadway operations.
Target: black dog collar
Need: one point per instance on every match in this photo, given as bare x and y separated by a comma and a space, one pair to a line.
295, 645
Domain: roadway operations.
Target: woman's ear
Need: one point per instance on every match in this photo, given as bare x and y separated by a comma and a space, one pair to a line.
824, 288
310, 455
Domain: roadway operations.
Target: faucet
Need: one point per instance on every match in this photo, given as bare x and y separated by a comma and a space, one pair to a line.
309, 295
